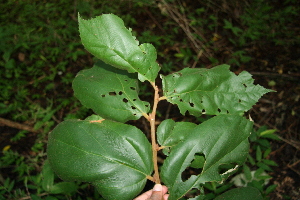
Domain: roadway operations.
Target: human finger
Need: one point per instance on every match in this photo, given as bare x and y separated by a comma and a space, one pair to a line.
144, 196
157, 192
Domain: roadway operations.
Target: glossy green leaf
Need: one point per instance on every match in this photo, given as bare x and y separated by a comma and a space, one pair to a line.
114, 157
108, 39
244, 193
222, 140
170, 133
111, 93
212, 91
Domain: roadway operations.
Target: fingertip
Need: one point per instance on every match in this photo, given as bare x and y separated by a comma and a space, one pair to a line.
157, 188
166, 196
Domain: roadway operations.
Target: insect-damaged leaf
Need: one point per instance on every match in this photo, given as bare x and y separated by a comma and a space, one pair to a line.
111, 93
108, 39
114, 157
213, 91
222, 140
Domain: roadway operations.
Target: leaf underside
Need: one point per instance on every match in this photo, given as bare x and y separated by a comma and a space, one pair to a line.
114, 157
212, 91
110, 92
108, 39
222, 139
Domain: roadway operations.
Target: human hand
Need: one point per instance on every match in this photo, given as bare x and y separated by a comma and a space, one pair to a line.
159, 192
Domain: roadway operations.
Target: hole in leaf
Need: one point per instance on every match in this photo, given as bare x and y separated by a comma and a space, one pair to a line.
133, 107
240, 101
120, 93
198, 161
219, 110
112, 93
125, 100
103, 95
195, 167
133, 88
126, 80
192, 104
203, 111
244, 85
147, 105
174, 91
180, 74
180, 100
133, 99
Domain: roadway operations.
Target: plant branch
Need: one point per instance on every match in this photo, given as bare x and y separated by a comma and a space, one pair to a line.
155, 147
18, 125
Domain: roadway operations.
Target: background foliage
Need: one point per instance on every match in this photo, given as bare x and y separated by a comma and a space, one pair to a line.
41, 53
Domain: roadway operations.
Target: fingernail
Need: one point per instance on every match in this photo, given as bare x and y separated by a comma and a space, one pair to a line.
157, 187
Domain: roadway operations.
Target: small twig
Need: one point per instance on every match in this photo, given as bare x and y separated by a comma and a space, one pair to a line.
185, 25
17, 125
292, 167
155, 21
29, 197
294, 144
197, 59
168, 111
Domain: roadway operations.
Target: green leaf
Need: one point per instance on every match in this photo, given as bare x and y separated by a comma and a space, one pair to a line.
170, 133
245, 193
258, 154
270, 162
211, 91
198, 162
108, 39
114, 157
111, 93
247, 172
270, 189
63, 188
222, 140
267, 132
48, 176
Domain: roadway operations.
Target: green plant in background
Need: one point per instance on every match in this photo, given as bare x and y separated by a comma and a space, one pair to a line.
116, 157
256, 167
43, 183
